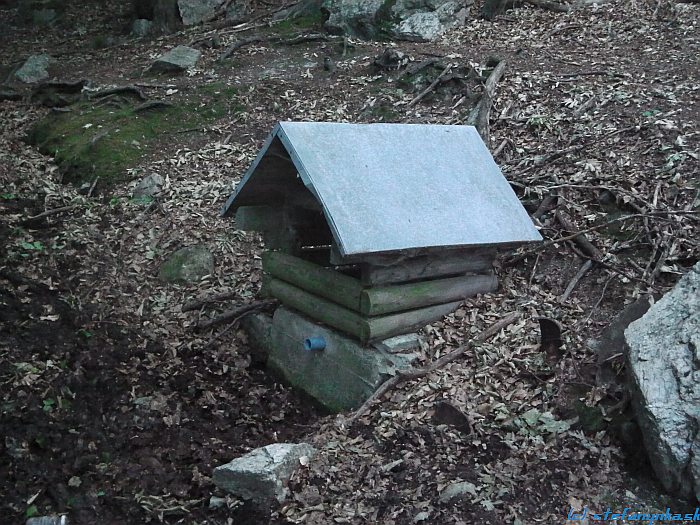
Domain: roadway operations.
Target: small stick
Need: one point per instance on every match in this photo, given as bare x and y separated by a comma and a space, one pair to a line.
245, 309
579, 275
547, 204
224, 331
551, 242
432, 85
586, 246
200, 301
500, 148
92, 187
482, 119
421, 372
51, 212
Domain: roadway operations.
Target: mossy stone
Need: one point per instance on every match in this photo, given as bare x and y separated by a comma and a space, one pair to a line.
188, 264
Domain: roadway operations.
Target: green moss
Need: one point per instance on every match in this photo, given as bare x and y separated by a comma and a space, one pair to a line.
293, 25
105, 137
591, 419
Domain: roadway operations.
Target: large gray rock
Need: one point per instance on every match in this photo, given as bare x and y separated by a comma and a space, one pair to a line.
196, 11
178, 59
187, 265
405, 19
34, 70
354, 17
664, 365
261, 476
149, 186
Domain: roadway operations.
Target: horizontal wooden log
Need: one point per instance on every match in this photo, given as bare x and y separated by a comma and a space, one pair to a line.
401, 323
316, 307
363, 328
313, 278
451, 262
398, 298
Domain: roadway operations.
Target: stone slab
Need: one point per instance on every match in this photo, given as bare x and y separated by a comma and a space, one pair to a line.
341, 376
261, 475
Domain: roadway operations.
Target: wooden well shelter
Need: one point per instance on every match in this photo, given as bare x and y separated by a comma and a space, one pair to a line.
378, 229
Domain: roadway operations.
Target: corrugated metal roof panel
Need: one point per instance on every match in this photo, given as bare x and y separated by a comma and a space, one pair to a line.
389, 187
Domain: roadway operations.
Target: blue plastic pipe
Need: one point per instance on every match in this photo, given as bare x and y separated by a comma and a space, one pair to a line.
314, 343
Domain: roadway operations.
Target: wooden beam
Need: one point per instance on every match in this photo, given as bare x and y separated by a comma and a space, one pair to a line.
364, 329
401, 323
313, 278
316, 307
398, 298
451, 262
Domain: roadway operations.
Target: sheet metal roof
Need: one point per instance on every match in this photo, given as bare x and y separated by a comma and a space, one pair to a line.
389, 187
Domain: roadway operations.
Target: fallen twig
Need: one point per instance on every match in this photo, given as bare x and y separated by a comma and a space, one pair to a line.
432, 85
586, 246
240, 310
92, 186
551, 242
200, 301
417, 373
132, 90
51, 212
153, 104
482, 119
579, 275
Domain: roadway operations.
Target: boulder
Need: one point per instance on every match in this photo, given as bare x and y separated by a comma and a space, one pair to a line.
358, 18
34, 70
189, 264
664, 367
418, 20
457, 490
177, 60
261, 476
149, 186
197, 11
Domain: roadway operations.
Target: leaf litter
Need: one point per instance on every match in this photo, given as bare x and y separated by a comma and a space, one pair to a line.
113, 411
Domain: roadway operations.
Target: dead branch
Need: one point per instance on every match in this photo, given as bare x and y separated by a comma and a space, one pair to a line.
432, 86
547, 204
245, 309
501, 147
299, 39
482, 119
55, 211
238, 44
586, 246
417, 373
200, 301
223, 332
92, 186
574, 282
131, 90
516, 258
153, 104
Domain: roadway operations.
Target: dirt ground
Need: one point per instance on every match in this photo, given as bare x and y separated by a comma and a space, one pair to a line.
115, 409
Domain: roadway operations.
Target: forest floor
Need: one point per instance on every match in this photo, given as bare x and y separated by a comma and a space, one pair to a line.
115, 409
